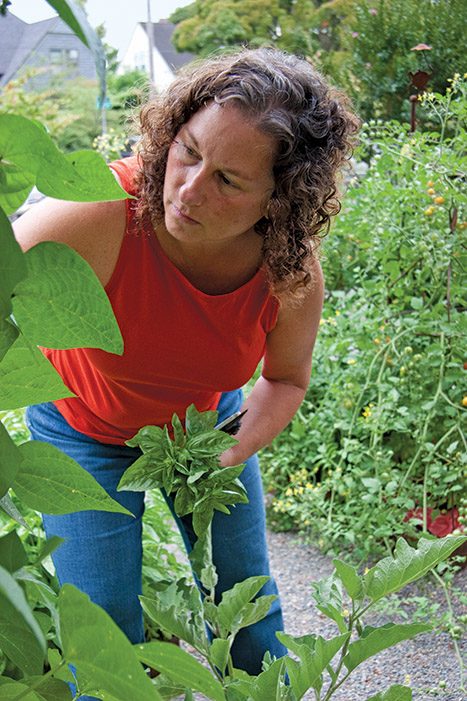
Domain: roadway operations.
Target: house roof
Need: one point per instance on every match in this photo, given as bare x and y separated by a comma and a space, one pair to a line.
162, 33
17, 40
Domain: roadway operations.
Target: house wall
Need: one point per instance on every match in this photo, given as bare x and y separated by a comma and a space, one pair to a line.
137, 56
74, 59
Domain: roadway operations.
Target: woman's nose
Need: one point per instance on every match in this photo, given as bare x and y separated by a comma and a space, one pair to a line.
193, 188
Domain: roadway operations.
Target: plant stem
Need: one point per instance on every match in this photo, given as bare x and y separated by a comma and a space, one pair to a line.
454, 641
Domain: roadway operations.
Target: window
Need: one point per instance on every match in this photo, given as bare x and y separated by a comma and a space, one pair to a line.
72, 56
64, 56
55, 56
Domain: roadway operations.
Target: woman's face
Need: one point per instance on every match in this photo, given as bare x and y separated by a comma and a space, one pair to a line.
218, 178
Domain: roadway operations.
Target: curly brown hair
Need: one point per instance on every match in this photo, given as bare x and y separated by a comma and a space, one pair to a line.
313, 126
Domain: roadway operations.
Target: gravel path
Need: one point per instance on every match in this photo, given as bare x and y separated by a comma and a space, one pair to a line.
421, 662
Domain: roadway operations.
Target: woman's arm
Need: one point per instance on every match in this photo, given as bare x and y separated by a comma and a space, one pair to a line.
279, 392
95, 230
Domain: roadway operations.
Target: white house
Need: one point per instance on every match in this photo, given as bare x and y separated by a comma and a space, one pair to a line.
166, 60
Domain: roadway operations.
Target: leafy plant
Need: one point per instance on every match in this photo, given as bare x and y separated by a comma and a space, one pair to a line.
379, 447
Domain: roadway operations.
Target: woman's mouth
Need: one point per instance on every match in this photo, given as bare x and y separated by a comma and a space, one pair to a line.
184, 217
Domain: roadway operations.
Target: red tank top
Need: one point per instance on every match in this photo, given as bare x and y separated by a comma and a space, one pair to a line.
181, 346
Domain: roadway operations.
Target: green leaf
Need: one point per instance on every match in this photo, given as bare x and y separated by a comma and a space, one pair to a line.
179, 434
197, 422
181, 667
8, 334
27, 377
21, 639
270, 683
48, 548
10, 460
373, 640
61, 303
16, 184
66, 11
396, 692
82, 176
53, 483
9, 689
50, 689
350, 579
408, 564
314, 660
177, 620
234, 602
12, 552
219, 652
6, 503
143, 474
64, 673
100, 650
12, 264
328, 597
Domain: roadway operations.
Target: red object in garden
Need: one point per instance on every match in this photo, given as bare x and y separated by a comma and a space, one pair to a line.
445, 523
418, 514
442, 525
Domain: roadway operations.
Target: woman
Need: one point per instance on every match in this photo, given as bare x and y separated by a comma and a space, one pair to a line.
211, 268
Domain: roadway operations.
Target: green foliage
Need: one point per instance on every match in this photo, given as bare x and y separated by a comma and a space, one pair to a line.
45, 106
383, 429
379, 42
43, 629
187, 467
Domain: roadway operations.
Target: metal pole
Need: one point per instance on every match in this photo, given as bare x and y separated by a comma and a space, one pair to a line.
151, 51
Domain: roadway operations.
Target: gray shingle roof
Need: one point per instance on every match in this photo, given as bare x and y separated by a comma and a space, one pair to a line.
162, 34
17, 40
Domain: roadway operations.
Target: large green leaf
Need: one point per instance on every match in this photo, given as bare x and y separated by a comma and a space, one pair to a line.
61, 304
235, 601
12, 264
21, 638
10, 460
27, 377
177, 620
53, 483
408, 564
15, 186
180, 667
10, 689
100, 650
270, 684
397, 692
349, 577
26, 147
66, 10
50, 689
315, 657
373, 640
12, 552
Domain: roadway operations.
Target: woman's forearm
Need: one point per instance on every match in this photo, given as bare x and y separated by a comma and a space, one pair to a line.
271, 406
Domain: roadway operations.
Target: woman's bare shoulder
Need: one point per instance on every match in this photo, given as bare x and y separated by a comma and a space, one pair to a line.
95, 230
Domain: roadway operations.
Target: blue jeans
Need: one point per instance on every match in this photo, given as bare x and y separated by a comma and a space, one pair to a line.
102, 553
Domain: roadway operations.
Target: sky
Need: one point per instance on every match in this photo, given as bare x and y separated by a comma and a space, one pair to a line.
119, 16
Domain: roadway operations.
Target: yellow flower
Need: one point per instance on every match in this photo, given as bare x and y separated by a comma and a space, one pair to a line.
351, 361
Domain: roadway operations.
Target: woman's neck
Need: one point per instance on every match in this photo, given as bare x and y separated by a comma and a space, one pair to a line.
214, 267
